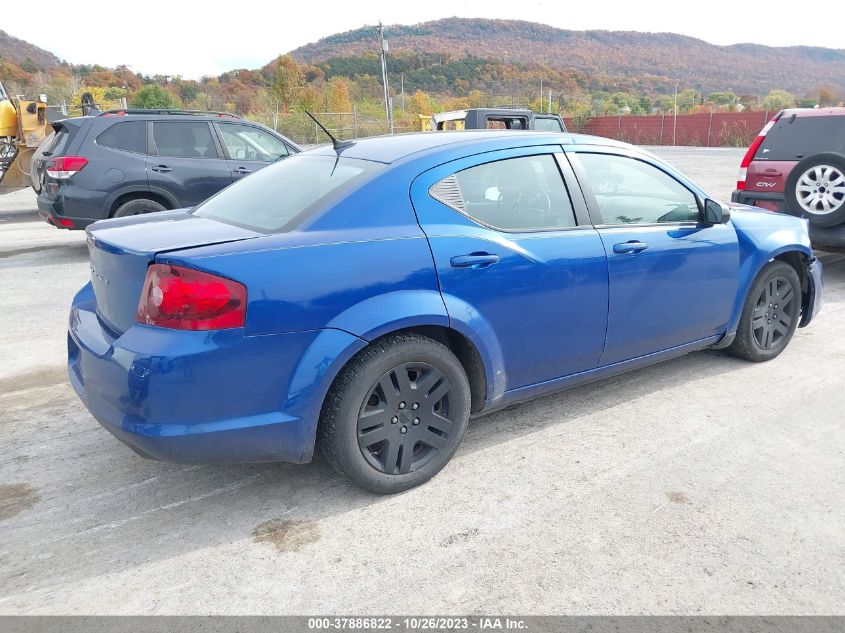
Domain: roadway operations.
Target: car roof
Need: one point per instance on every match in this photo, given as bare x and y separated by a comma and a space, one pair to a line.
392, 148
807, 112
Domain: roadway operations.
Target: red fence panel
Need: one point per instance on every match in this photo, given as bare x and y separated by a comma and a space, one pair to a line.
707, 129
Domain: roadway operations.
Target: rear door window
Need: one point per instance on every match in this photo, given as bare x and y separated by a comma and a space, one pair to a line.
129, 136
184, 139
515, 194
795, 137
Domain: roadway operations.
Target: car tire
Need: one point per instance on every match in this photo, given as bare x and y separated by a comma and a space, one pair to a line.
770, 315
808, 190
385, 433
138, 207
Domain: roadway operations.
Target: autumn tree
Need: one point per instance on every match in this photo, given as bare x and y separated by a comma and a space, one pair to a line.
337, 96
421, 103
778, 100
288, 82
154, 97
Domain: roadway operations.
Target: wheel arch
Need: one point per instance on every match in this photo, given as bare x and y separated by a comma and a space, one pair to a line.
797, 255
423, 312
137, 193
314, 377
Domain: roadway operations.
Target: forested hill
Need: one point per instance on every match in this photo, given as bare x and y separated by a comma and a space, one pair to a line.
613, 57
24, 54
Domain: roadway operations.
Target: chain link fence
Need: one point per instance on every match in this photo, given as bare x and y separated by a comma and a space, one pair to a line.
713, 129
300, 128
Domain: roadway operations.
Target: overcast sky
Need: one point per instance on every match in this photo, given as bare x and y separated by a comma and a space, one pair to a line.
195, 39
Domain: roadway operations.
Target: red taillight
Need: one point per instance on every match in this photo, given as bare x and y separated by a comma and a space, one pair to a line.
752, 151
187, 299
64, 222
65, 166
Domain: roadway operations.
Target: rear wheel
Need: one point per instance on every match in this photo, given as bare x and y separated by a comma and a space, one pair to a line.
770, 314
137, 207
396, 414
816, 189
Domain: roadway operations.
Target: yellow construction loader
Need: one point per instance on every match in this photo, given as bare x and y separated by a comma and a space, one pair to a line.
23, 127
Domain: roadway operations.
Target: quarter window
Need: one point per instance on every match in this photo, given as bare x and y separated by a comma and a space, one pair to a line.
184, 139
516, 194
630, 191
130, 136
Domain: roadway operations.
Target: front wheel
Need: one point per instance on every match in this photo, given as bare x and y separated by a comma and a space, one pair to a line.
396, 414
770, 314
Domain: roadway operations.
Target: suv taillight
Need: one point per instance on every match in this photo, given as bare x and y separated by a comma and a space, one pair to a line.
752, 151
186, 299
64, 167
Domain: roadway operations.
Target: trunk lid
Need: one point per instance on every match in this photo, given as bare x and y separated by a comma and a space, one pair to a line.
120, 251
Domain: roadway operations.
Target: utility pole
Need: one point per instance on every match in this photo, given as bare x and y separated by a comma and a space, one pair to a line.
402, 89
387, 109
549, 110
675, 121
541, 94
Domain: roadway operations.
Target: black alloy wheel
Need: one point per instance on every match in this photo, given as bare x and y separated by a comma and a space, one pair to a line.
770, 314
404, 420
396, 413
774, 311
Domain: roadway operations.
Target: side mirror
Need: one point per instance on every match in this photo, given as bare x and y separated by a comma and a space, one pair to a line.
716, 213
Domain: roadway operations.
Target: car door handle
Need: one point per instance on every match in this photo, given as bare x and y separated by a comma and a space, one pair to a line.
474, 260
630, 247
242, 170
162, 169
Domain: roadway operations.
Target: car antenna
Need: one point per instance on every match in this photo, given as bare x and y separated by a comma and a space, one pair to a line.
338, 145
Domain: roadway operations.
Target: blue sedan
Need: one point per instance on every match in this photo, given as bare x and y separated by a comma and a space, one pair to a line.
369, 298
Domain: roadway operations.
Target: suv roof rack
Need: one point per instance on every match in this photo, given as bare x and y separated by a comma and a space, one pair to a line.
125, 111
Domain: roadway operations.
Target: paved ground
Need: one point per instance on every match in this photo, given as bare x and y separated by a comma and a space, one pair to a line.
703, 485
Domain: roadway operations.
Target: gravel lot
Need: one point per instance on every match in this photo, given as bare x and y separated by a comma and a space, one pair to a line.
705, 485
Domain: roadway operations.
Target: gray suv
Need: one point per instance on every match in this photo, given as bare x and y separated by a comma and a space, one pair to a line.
126, 162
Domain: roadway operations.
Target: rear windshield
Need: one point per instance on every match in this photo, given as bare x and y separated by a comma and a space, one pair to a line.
794, 137
279, 196
58, 145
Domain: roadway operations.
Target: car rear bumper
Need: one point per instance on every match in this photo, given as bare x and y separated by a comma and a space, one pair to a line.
51, 211
203, 397
821, 237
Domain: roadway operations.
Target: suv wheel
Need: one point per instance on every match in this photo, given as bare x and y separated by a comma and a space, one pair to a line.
137, 207
396, 414
816, 189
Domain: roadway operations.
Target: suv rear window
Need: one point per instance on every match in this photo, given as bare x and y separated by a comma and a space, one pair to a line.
130, 136
57, 146
279, 196
795, 137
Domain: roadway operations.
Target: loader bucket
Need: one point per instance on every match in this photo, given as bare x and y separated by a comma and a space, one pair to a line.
16, 175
